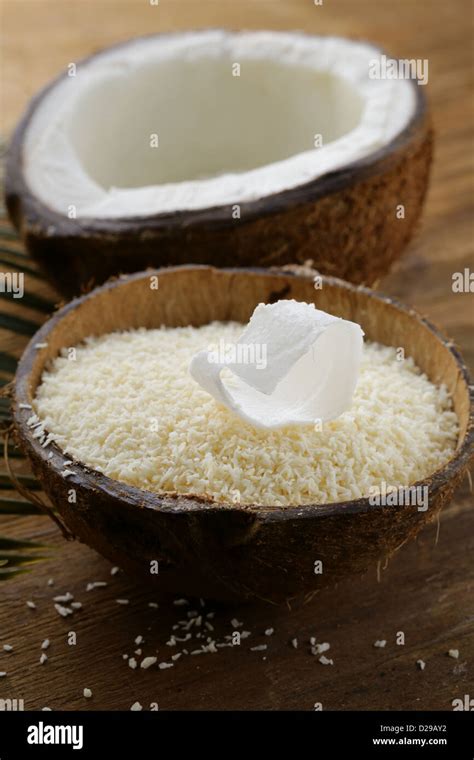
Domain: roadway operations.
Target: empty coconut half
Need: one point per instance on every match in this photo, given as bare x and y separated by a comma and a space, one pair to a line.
222, 148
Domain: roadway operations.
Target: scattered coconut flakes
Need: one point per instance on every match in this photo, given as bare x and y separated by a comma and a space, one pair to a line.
154, 606
63, 611
138, 652
454, 653
43, 658
114, 570
325, 660
132, 663
45, 644
210, 615
236, 623
139, 640
320, 648
67, 473
8, 648
25, 406
40, 345
269, 632
46, 709
421, 664
208, 626
165, 665
258, 648
68, 597
176, 656
147, 662
245, 634
122, 601
87, 693
380, 643
294, 643
312, 641
3, 673
125, 657
31, 605
180, 602
136, 706
76, 605
95, 584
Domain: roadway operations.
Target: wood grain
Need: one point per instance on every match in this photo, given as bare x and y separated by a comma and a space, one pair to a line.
427, 590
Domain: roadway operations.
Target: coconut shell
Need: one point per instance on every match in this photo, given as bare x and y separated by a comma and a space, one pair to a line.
231, 551
347, 222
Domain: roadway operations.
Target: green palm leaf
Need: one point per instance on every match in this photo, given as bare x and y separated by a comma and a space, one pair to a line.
18, 325
7, 362
17, 556
27, 481
13, 506
18, 262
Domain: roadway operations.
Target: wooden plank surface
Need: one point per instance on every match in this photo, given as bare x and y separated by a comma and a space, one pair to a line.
427, 590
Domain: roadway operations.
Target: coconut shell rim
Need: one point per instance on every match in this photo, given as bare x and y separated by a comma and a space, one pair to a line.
92, 481
50, 222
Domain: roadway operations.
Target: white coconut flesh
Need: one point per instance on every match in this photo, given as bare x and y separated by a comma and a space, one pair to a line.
204, 119
307, 368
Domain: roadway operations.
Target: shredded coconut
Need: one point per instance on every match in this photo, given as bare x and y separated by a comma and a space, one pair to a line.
127, 407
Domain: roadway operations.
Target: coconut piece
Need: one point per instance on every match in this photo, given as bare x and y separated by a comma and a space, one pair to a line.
307, 370
147, 662
325, 660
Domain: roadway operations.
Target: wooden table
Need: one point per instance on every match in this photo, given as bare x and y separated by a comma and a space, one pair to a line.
426, 592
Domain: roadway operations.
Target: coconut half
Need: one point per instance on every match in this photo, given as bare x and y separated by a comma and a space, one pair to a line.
219, 550
219, 147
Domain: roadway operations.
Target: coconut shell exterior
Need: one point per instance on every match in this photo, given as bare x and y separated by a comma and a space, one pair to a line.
234, 551
345, 222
